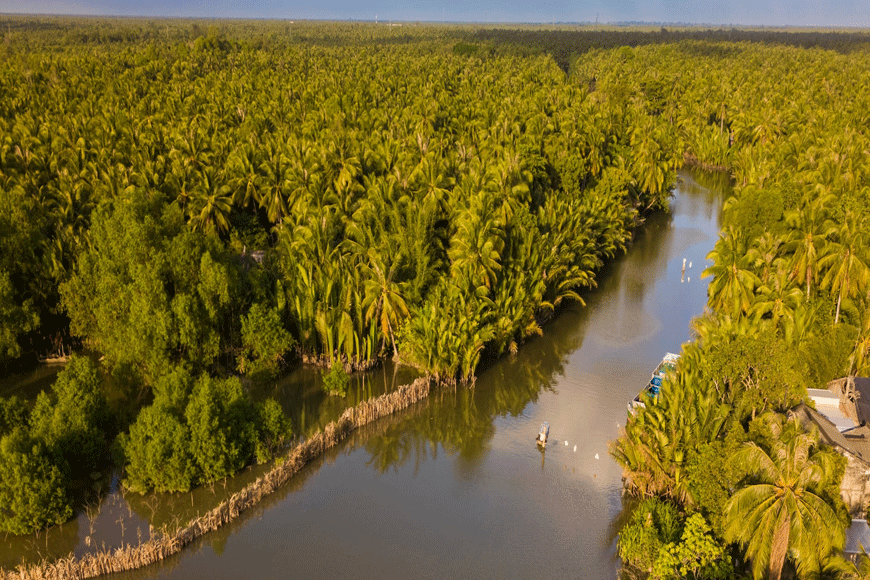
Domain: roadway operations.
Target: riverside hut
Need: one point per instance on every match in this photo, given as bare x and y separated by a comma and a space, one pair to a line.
841, 415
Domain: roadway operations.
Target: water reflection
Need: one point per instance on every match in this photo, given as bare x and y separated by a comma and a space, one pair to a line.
28, 384
117, 518
301, 395
455, 485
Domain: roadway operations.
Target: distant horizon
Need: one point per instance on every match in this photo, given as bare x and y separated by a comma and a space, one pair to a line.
846, 14
620, 23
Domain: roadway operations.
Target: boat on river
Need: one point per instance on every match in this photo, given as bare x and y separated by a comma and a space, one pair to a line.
651, 391
543, 434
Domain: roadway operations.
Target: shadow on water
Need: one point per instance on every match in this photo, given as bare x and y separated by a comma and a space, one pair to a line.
119, 518
460, 421
301, 395
463, 463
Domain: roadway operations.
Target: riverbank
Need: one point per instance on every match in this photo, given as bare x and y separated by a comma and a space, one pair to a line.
456, 485
165, 545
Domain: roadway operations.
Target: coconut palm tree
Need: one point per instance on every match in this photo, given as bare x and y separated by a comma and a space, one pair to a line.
777, 301
811, 227
383, 300
211, 203
783, 508
655, 444
731, 290
846, 268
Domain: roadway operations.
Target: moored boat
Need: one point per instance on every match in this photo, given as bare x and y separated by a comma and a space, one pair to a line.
543, 434
651, 391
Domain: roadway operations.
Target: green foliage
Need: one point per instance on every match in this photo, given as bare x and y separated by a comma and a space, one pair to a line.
661, 442
275, 429
785, 506
173, 386
712, 478
336, 381
148, 205
756, 212
754, 371
24, 291
219, 419
439, 212
44, 456
653, 524
445, 337
465, 49
15, 319
73, 420
150, 292
264, 339
157, 452
33, 492
198, 433
828, 354
13, 413
697, 555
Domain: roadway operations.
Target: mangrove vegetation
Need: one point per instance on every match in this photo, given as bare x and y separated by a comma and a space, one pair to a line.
718, 458
200, 208
195, 207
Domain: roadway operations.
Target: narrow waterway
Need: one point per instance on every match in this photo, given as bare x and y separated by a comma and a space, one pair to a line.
455, 486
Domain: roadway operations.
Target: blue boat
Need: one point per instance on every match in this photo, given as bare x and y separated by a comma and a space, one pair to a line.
651, 391
543, 434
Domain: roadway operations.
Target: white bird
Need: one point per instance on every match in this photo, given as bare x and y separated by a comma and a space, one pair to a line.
690, 264
575, 449
566, 444
596, 456
689, 279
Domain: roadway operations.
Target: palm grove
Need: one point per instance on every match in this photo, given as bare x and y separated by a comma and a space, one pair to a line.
726, 483
203, 208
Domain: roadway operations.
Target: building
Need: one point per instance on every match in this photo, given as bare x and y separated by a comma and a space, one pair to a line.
842, 418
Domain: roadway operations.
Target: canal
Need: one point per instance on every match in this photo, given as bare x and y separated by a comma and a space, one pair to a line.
455, 486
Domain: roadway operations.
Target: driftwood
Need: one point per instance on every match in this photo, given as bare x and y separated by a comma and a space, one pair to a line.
163, 545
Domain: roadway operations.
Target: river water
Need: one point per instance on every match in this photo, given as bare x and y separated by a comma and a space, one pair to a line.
455, 486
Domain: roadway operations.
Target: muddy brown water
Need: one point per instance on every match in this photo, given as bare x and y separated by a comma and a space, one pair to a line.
455, 486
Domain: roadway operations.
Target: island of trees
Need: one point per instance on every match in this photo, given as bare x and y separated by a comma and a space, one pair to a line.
194, 207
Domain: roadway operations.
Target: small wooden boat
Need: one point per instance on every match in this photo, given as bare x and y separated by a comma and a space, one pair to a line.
651, 391
543, 434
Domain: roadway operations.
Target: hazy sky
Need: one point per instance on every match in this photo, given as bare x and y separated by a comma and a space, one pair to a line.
719, 12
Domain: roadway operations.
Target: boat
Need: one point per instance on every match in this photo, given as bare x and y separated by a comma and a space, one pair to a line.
543, 434
668, 364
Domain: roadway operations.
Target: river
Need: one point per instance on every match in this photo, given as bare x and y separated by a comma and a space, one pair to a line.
455, 486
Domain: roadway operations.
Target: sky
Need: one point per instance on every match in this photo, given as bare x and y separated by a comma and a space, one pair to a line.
717, 12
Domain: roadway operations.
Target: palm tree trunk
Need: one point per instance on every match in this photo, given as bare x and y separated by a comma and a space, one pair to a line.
393, 340
845, 285
779, 549
809, 281
837, 315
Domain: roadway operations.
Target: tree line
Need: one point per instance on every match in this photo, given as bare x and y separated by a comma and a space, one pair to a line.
202, 212
718, 462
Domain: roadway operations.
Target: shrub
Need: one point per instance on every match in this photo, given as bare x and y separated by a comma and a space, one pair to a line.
156, 452
653, 524
265, 340
335, 382
32, 490
73, 419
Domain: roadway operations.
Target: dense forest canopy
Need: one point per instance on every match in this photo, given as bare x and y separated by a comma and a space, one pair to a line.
201, 204
788, 308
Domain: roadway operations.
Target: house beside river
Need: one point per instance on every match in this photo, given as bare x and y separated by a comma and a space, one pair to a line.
842, 418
